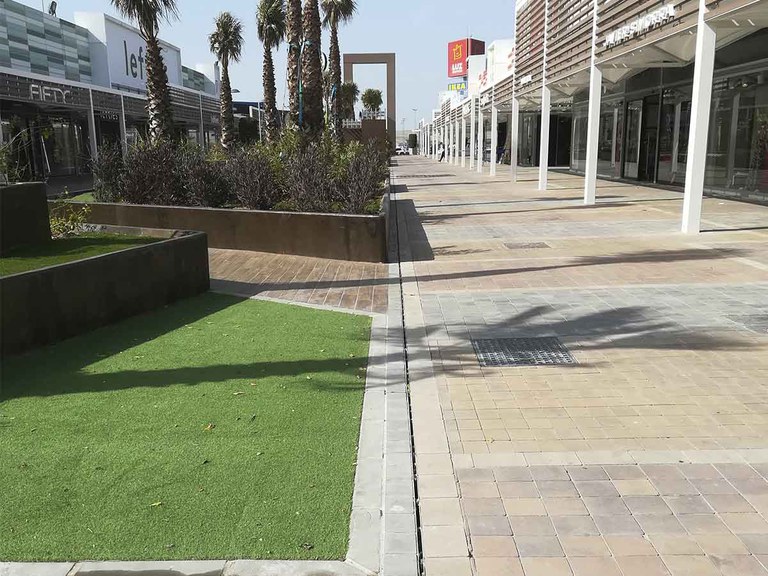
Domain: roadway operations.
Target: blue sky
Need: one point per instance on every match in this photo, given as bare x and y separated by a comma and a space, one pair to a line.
418, 31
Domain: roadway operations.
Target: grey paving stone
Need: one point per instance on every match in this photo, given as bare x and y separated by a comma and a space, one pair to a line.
557, 488
180, 568
624, 472
35, 568
596, 488
575, 526
399, 543
400, 565
756, 543
286, 568
512, 474
617, 525
549, 473
654, 524
586, 473
713, 486
728, 503
483, 506
531, 525
647, 505
538, 546
688, 505
605, 506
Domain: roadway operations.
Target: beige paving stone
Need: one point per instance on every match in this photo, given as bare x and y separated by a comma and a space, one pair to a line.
447, 567
483, 506
498, 567
636, 487
590, 546
630, 546
479, 490
739, 566
675, 544
524, 507
443, 541
434, 464
600, 566
642, 566
565, 507
745, 523
493, 546
518, 490
721, 544
546, 567
437, 486
440, 512
574, 526
538, 546
690, 566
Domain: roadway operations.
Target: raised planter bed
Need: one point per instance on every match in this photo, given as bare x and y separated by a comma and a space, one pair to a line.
50, 304
337, 236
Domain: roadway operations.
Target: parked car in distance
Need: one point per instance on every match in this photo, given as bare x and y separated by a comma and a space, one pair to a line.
401, 151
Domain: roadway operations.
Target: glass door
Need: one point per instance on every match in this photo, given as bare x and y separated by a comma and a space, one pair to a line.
673, 137
648, 144
634, 124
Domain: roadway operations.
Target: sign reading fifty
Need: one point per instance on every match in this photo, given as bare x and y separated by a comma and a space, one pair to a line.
640, 25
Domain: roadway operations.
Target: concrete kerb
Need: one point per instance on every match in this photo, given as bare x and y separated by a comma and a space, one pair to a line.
383, 537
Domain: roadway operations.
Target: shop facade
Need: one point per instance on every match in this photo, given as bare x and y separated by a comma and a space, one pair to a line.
66, 89
659, 93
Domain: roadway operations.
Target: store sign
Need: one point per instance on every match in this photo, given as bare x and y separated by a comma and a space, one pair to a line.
457, 58
640, 25
457, 86
527, 79
42, 93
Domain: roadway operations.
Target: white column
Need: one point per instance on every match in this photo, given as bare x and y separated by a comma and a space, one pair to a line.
456, 142
593, 127
463, 140
513, 127
480, 141
697, 139
123, 130
92, 127
201, 129
494, 138
593, 118
544, 138
472, 136
451, 138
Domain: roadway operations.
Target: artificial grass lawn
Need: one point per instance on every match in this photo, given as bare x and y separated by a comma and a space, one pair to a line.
61, 250
214, 428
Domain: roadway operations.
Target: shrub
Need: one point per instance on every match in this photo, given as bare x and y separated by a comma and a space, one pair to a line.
202, 180
311, 182
108, 171
252, 177
151, 176
67, 218
364, 178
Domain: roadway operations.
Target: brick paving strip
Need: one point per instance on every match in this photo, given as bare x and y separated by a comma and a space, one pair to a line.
383, 538
648, 457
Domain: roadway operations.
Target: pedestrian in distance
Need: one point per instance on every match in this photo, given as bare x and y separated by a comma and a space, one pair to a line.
440, 153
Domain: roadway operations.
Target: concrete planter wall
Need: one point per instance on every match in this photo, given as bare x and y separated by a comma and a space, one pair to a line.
23, 215
336, 236
50, 304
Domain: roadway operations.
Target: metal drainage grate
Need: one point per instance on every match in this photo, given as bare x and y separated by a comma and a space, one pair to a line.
757, 323
546, 351
526, 245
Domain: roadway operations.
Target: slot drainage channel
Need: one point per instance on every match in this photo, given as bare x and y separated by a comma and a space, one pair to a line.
394, 204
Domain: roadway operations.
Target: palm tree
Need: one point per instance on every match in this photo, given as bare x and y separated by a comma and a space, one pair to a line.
147, 15
336, 12
295, 38
372, 100
226, 44
349, 94
270, 19
311, 69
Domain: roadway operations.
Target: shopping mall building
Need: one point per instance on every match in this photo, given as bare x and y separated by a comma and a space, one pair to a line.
67, 88
671, 93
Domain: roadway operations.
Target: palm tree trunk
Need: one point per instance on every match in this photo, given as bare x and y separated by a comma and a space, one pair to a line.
158, 94
335, 63
225, 108
270, 96
311, 69
294, 56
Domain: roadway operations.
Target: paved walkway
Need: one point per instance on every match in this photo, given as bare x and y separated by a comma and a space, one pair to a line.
649, 455
336, 284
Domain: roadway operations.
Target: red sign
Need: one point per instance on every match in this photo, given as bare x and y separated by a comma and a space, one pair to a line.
458, 52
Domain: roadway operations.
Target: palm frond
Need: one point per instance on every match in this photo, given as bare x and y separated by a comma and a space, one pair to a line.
226, 41
147, 13
337, 12
270, 23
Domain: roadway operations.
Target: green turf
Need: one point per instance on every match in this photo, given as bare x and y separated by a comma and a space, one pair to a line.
214, 428
84, 197
59, 251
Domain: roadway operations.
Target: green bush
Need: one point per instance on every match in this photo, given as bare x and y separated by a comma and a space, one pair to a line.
291, 174
67, 218
108, 172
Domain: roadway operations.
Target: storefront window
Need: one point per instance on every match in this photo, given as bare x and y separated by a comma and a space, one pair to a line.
737, 153
673, 136
610, 139
528, 139
579, 138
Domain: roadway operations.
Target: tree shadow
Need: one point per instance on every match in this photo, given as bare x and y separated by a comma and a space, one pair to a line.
61, 368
